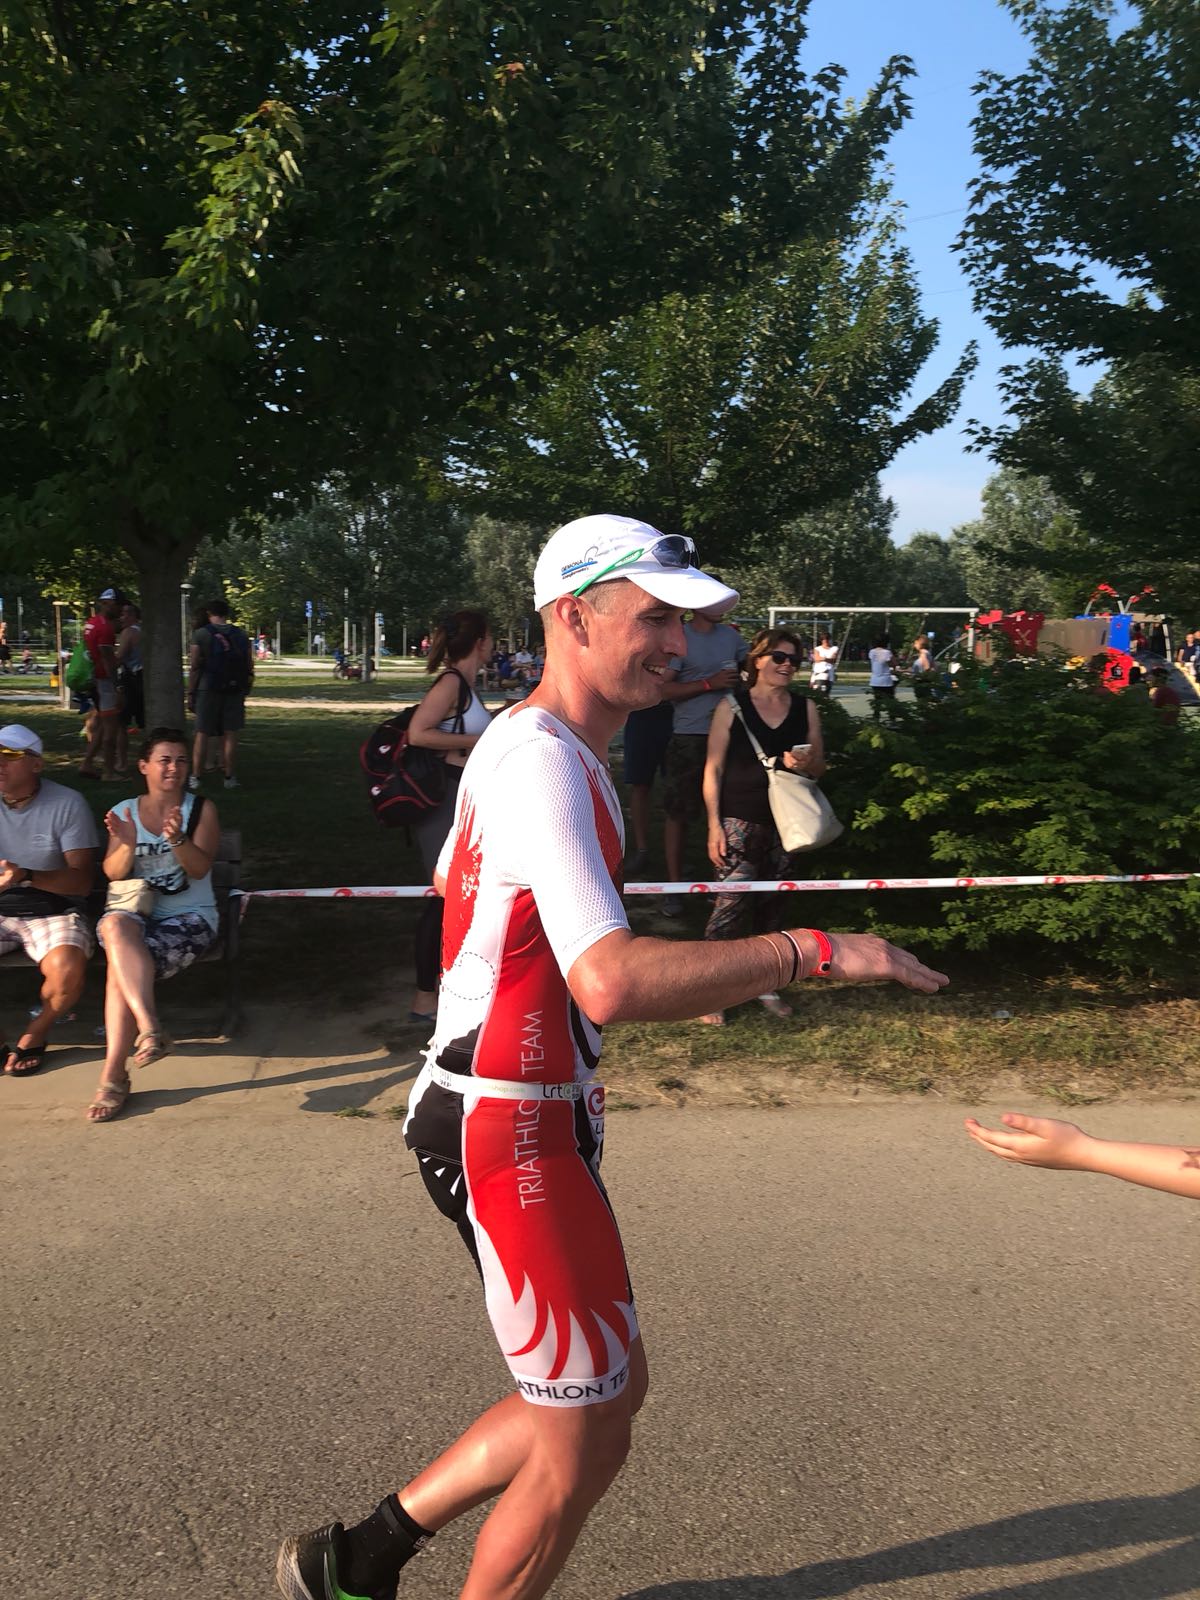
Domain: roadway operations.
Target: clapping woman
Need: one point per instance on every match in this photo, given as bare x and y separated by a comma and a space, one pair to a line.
167, 839
743, 841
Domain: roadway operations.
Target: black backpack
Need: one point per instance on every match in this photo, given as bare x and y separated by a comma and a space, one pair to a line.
227, 664
406, 782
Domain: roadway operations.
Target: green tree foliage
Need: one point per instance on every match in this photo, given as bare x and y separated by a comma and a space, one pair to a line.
925, 572
502, 557
246, 246
829, 557
1019, 515
1090, 164
1028, 768
392, 551
729, 413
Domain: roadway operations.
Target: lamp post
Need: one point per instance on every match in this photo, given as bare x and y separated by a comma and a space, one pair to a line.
185, 632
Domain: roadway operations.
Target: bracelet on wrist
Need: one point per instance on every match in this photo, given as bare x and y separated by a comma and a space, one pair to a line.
707, 685
824, 959
797, 963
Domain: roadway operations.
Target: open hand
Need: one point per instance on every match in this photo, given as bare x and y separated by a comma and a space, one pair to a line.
1032, 1141
8, 875
121, 827
864, 958
172, 825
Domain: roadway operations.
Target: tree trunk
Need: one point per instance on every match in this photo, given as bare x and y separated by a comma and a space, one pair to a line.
161, 567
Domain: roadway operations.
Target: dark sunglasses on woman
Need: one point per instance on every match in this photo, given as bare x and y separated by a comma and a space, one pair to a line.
782, 658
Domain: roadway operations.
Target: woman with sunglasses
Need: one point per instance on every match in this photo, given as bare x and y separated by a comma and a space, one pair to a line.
743, 841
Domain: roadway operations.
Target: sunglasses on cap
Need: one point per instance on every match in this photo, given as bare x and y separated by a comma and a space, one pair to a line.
672, 550
782, 658
7, 753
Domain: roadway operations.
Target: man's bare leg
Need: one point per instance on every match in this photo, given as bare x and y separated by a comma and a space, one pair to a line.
199, 750
549, 1464
673, 836
229, 752
639, 815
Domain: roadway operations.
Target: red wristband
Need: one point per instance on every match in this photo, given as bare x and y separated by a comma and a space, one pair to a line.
824, 953
707, 685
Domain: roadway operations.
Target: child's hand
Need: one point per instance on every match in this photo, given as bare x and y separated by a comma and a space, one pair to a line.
1033, 1141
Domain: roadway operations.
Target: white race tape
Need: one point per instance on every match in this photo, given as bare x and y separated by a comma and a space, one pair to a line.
410, 891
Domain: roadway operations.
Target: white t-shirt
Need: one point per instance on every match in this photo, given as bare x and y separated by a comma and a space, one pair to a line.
532, 867
881, 659
823, 663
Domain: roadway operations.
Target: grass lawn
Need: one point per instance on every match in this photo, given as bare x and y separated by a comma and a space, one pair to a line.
305, 821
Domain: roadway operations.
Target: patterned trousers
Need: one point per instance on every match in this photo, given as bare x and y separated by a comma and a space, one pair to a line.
752, 850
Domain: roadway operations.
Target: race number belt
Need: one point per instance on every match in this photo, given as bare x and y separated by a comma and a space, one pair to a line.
505, 1088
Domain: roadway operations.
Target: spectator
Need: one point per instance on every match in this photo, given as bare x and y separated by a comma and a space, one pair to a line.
743, 841
823, 675
166, 840
883, 677
220, 675
100, 637
48, 848
1187, 654
694, 684
647, 735
523, 663
129, 681
449, 721
922, 669
1165, 700
5, 647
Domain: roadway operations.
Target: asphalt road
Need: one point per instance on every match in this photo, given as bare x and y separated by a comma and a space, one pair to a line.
882, 1363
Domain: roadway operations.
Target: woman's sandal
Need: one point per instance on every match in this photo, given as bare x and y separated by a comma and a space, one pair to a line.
28, 1059
150, 1047
108, 1102
772, 1003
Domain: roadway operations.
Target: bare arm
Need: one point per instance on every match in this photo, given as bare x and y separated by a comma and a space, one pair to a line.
672, 689
438, 704
814, 764
1046, 1142
625, 978
74, 880
714, 775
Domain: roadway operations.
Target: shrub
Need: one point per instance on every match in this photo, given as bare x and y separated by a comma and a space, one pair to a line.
1027, 767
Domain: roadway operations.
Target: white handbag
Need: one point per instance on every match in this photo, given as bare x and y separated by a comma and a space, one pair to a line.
802, 814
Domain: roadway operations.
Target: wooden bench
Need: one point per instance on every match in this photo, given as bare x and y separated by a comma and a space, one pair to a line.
227, 878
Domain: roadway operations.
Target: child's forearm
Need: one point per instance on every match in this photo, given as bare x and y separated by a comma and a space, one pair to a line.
1173, 1168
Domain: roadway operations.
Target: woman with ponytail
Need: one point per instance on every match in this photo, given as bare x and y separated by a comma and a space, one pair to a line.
449, 721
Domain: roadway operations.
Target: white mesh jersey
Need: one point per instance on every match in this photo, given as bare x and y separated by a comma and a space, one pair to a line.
533, 879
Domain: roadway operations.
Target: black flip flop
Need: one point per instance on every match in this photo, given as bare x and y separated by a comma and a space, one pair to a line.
33, 1054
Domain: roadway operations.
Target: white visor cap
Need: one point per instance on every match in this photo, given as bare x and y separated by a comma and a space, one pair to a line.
599, 548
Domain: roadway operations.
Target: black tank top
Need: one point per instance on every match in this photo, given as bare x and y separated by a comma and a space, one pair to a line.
744, 787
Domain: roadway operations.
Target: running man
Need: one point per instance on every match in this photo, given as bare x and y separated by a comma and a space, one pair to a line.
507, 1117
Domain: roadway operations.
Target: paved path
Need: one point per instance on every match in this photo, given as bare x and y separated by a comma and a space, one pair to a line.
883, 1363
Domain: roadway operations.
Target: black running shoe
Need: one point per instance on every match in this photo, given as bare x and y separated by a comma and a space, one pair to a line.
307, 1567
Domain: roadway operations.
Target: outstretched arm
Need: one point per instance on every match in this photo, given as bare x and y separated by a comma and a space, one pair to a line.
1045, 1142
628, 978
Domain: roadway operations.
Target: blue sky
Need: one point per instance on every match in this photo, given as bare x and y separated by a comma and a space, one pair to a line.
934, 482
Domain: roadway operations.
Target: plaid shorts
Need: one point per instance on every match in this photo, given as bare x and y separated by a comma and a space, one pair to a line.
39, 935
173, 942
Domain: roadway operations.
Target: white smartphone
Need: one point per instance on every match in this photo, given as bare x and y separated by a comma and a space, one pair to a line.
801, 749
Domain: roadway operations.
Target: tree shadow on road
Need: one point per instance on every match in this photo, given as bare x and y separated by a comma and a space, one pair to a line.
1052, 1534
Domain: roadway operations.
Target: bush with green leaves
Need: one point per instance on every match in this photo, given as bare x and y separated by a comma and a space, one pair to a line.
1026, 767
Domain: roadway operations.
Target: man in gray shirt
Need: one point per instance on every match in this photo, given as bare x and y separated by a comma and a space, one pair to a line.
694, 684
48, 843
